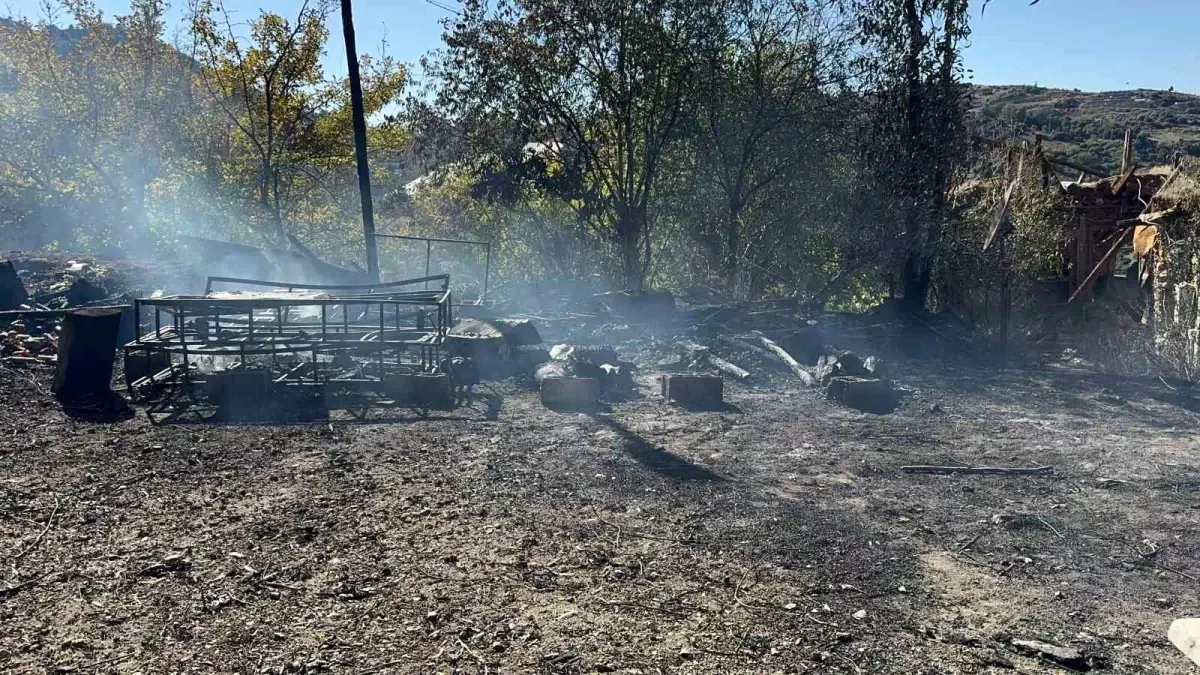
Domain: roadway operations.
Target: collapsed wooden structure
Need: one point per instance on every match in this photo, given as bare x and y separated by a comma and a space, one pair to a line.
1142, 224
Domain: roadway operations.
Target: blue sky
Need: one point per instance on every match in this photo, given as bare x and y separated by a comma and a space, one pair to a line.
1092, 45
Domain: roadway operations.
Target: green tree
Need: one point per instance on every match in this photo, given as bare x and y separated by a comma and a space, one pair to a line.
601, 84
289, 146
762, 102
914, 136
93, 117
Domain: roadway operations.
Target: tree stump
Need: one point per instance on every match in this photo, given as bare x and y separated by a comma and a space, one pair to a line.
87, 350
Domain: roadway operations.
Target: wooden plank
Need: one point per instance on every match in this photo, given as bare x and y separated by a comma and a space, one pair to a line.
1086, 285
52, 313
1127, 151
1002, 212
1078, 167
1120, 184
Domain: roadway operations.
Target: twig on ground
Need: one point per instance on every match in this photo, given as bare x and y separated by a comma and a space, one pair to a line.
970, 543
121, 481
1050, 527
28, 583
1000, 470
645, 536
38, 540
435, 577
680, 613
474, 655
958, 555
846, 660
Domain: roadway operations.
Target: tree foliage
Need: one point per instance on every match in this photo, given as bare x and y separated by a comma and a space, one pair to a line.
600, 85
114, 137
794, 147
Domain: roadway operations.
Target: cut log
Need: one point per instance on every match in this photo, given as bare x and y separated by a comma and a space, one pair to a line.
791, 363
748, 346
87, 350
728, 368
699, 352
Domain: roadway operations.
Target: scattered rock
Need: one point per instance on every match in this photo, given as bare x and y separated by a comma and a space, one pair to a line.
1185, 634
860, 614
876, 367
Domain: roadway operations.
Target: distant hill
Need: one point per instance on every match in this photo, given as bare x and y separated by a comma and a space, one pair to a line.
1089, 128
63, 39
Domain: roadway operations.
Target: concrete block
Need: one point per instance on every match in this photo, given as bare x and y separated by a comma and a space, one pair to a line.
570, 393
866, 394
698, 390
419, 390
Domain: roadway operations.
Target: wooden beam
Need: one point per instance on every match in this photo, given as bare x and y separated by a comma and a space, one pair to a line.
1120, 184
1002, 213
805, 376
15, 314
1127, 151
1078, 167
360, 142
1091, 277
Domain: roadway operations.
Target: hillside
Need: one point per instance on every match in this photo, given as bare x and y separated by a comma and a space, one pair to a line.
1089, 128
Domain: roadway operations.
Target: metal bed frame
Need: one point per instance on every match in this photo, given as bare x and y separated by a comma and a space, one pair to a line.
338, 340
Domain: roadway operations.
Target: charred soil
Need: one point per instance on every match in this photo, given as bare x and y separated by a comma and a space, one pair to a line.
776, 535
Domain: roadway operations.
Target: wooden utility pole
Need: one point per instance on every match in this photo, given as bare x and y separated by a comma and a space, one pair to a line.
360, 142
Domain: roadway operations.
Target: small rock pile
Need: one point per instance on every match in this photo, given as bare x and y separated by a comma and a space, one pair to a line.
26, 341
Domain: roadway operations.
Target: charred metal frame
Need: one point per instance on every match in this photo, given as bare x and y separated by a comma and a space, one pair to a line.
297, 331
430, 241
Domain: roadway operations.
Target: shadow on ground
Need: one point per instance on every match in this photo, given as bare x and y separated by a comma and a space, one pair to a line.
655, 458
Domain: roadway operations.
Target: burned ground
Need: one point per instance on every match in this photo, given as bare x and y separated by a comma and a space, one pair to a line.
779, 535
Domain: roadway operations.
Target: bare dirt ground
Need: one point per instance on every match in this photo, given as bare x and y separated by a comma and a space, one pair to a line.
776, 536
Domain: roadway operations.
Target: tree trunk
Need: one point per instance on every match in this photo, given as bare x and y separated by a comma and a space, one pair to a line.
914, 281
630, 226
733, 243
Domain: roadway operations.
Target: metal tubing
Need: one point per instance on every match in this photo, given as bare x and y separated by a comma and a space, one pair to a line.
487, 269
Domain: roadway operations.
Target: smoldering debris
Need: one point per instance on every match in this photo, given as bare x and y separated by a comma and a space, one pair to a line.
357, 339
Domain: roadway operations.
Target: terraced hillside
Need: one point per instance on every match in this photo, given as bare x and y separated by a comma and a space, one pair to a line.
1089, 127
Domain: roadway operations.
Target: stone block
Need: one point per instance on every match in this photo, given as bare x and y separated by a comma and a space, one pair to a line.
866, 394
570, 393
697, 390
